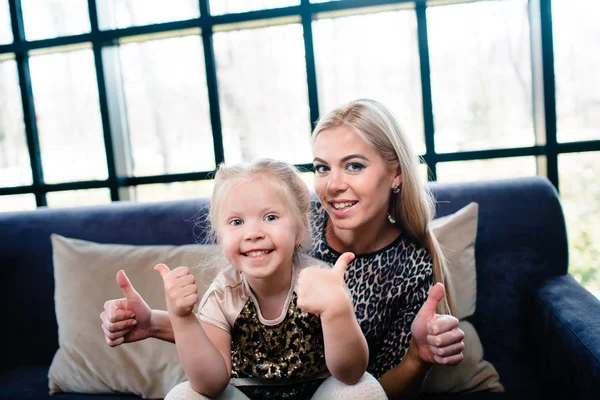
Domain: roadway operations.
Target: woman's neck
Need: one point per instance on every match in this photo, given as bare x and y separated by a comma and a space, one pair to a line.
363, 239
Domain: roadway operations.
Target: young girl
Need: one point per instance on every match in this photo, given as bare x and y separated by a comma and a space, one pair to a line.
276, 322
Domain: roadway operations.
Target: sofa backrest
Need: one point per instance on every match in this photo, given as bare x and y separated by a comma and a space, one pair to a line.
521, 240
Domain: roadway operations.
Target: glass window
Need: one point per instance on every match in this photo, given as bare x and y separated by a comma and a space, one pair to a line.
476, 170
17, 202
167, 106
481, 75
263, 94
173, 191
580, 197
68, 116
6, 35
576, 66
71, 198
125, 13
53, 18
218, 7
15, 167
356, 57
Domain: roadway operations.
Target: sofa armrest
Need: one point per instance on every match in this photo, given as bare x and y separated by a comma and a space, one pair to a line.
564, 329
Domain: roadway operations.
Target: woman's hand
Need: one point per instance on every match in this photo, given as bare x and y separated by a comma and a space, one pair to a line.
128, 319
436, 339
180, 290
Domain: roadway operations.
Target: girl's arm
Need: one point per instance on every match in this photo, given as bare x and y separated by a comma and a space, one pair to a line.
205, 354
346, 349
323, 292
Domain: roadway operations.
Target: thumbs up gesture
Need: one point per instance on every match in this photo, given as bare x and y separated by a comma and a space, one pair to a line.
180, 289
322, 291
437, 338
128, 319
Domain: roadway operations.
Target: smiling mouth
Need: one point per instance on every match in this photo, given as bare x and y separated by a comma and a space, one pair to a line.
257, 253
343, 204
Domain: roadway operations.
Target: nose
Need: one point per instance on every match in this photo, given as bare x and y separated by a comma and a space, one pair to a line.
336, 182
253, 232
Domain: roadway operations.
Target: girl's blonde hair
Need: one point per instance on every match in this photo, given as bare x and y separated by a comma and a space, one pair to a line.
413, 207
283, 177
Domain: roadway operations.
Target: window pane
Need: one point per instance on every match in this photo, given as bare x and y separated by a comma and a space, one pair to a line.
125, 13
481, 75
71, 198
6, 35
68, 116
17, 202
167, 106
15, 167
263, 94
477, 170
218, 7
173, 191
576, 64
580, 197
53, 18
357, 57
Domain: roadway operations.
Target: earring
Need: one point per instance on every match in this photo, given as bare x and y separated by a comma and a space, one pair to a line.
396, 189
391, 219
298, 245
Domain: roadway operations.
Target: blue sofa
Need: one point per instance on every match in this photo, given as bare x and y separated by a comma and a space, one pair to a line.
538, 326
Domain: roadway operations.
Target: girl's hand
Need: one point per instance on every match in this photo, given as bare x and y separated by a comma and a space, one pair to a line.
322, 291
180, 290
436, 338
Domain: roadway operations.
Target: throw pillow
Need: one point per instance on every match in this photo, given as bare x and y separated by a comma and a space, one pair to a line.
456, 234
84, 274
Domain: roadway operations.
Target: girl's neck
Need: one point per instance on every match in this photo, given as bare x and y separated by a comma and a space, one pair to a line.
363, 239
272, 292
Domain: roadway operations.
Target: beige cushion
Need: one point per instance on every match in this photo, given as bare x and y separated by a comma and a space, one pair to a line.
457, 236
84, 274
456, 233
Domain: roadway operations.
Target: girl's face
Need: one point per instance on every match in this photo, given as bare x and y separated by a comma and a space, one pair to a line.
352, 180
257, 231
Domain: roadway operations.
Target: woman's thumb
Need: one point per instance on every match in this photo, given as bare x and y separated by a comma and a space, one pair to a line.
436, 294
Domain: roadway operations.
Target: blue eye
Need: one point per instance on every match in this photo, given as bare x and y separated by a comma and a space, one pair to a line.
271, 217
236, 222
355, 166
321, 169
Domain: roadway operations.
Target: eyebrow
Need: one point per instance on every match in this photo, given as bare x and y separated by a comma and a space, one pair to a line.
348, 157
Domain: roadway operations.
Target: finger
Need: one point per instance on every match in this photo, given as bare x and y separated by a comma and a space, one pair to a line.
116, 334
448, 351
452, 360
446, 338
115, 313
342, 263
441, 324
435, 295
113, 326
162, 269
126, 286
114, 343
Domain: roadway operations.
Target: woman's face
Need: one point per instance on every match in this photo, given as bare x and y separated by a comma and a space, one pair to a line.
352, 181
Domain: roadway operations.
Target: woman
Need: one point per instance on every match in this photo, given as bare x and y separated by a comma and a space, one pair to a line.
373, 204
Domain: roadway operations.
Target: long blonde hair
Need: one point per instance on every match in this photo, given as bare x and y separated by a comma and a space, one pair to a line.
414, 206
284, 177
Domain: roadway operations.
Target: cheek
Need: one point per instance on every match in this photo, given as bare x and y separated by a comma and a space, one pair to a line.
320, 187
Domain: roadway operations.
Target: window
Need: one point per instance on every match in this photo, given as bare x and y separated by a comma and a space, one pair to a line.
6, 35
499, 168
126, 13
87, 197
481, 75
53, 18
218, 7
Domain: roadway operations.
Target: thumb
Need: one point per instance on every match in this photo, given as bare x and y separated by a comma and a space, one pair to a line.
436, 294
342, 263
125, 285
162, 269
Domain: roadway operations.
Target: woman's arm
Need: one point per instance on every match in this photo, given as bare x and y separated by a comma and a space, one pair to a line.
436, 339
204, 352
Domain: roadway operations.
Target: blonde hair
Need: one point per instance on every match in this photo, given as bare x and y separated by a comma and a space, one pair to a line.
283, 177
413, 207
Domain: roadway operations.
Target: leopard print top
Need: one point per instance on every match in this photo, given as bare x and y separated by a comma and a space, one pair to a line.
388, 287
265, 352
